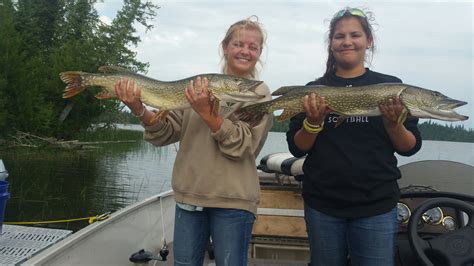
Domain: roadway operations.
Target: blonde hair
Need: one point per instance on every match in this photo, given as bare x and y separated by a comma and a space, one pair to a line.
250, 23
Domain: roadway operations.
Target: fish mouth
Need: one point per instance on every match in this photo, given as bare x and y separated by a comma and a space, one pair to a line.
445, 111
447, 107
450, 115
449, 104
249, 85
245, 92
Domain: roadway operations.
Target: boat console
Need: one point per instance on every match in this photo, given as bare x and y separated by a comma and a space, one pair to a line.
436, 227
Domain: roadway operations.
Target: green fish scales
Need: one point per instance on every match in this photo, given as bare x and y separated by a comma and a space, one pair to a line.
163, 95
359, 101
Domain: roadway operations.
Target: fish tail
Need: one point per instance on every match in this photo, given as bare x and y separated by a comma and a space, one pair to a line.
75, 83
252, 114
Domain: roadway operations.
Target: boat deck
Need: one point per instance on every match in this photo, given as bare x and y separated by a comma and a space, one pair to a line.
273, 244
265, 262
19, 243
250, 262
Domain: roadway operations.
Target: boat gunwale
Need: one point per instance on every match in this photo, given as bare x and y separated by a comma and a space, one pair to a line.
88, 231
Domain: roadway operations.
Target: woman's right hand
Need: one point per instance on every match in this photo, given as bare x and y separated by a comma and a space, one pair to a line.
315, 108
129, 94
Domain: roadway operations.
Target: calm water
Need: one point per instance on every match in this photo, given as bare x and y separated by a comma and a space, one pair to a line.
66, 185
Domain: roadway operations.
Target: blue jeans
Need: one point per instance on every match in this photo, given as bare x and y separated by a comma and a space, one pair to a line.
230, 230
369, 241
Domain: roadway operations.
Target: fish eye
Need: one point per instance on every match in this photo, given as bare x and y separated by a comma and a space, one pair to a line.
436, 93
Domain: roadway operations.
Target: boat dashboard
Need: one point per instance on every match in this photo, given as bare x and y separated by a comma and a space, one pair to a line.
435, 220
435, 227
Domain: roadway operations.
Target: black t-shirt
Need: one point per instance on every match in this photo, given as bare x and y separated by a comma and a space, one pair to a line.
351, 170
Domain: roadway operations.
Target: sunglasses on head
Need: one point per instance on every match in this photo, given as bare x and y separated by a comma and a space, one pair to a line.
353, 11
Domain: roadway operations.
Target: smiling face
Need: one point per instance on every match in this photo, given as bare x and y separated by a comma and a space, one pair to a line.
349, 43
242, 52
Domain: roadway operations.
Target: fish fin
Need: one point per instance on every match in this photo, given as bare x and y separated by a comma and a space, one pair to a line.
67, 109
104, 95
74, 81
286, 89
283, 90
403, 116
126, 72
215, 109
252, 114
160, 116
216, 101
215, 96
287, 114
114, 70
340, 120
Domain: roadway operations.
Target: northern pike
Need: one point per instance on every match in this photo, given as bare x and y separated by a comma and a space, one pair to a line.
163, 95
358, 101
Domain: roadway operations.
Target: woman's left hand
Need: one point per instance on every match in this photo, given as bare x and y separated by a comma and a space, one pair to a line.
391, 111
202, 102
197, 94
402, 139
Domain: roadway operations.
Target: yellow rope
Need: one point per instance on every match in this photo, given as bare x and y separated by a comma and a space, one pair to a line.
91, 219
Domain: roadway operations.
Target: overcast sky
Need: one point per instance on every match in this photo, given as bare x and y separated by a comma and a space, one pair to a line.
425, 43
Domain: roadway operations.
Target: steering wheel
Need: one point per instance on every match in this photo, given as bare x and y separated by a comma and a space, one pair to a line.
457, 246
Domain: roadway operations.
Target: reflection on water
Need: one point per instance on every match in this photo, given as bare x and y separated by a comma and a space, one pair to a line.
58, 185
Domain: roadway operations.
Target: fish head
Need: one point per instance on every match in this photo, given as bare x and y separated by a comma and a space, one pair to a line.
234, 89
425, 103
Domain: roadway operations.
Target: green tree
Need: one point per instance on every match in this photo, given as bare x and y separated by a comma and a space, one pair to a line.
10, 66
35, 22
88, 44
432, 131
121, 35
55, 36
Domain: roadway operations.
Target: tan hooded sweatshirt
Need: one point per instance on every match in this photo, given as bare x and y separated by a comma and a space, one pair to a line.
214, 169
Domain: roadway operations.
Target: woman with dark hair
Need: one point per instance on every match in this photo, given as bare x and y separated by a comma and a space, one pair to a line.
350, 185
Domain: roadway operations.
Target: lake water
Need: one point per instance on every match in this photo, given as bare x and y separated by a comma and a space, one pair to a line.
66, 185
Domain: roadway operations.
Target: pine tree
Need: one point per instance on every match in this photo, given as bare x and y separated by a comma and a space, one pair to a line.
11, 60
55, 36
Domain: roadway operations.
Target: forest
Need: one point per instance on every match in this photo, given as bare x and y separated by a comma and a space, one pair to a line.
429, 130
40, 39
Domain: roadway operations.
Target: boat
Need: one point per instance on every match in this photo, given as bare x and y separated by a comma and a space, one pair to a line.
436, 227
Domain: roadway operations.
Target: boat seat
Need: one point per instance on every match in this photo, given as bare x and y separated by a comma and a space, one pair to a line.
282, 163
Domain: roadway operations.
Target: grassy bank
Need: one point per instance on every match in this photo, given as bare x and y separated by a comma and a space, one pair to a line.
108, 134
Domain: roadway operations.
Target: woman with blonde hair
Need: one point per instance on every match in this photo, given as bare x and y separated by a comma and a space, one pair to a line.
215, 179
